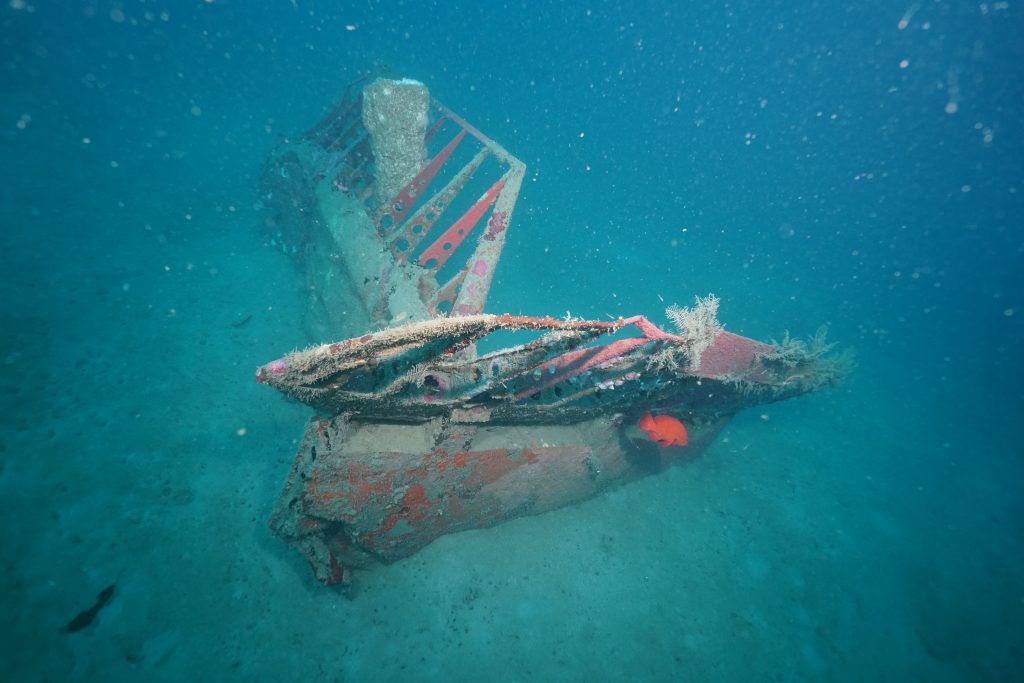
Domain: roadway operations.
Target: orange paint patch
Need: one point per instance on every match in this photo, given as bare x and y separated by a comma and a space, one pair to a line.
486, 467
413, 508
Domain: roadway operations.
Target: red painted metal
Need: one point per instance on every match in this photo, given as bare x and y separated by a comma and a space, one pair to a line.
399, 207
575, 363
445, 245
350, 509
335, 155
477, 283
418, 226
731, 355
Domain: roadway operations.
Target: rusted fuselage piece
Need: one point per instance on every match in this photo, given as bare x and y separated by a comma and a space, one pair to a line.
426, 439
418, 434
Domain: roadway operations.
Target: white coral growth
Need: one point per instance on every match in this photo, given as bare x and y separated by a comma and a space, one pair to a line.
698, 326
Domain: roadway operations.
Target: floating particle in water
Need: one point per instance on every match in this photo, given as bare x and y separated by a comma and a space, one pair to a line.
904, 21
953, 90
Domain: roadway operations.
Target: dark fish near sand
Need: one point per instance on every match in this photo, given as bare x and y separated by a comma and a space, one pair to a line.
85, 617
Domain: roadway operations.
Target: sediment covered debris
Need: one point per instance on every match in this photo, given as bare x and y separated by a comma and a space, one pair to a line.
419, 435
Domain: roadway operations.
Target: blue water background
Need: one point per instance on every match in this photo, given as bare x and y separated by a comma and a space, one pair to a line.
809, 163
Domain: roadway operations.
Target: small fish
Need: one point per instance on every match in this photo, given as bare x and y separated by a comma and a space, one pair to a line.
664, 430
85, 617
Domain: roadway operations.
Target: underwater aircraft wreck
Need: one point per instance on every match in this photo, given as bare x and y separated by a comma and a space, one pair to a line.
397, 210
